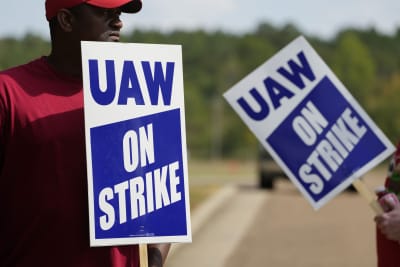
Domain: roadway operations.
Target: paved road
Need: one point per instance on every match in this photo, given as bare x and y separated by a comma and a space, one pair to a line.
244, 226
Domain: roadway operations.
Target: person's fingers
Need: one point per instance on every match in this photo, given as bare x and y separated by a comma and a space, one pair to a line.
390, 201
380, 218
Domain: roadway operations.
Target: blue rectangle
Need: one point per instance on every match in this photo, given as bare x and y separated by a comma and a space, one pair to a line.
294, 152
109, 171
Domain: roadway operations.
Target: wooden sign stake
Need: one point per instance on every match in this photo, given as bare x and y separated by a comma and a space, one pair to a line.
143, 255
363, 190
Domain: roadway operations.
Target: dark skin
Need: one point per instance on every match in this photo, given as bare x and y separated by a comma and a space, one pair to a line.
81, 23
89, 23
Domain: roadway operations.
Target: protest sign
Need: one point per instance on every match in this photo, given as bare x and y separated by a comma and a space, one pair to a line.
309, 122
135, 143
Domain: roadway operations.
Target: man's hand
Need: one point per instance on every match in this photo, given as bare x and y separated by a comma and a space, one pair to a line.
157, 254
389, 222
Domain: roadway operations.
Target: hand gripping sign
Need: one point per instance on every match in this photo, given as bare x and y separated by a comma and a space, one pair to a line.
135, 144
309, 123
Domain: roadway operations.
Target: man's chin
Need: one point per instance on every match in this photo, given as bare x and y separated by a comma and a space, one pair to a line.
113, 39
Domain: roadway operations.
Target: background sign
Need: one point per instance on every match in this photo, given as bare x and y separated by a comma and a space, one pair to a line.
309, 122
135, 143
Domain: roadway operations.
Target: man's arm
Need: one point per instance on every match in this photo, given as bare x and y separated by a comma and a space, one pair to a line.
157, 254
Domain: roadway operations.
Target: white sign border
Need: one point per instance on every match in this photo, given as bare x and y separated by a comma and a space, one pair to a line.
93, 48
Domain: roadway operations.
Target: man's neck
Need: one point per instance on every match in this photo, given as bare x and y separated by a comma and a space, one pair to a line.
65, 64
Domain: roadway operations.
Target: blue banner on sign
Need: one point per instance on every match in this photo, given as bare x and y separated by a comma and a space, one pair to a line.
138, 177
324, 141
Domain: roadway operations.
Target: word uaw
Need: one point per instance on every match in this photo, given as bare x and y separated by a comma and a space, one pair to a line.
130, 88
330, 152
143, 194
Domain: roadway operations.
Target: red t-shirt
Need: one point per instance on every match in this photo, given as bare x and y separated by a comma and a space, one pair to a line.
43, 188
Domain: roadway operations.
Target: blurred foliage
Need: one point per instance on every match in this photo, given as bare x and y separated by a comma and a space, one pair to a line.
366, 61
18, 51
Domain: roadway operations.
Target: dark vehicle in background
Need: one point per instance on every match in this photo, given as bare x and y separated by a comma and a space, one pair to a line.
268, 171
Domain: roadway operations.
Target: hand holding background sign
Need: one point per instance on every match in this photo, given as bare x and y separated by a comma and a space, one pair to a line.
309, 123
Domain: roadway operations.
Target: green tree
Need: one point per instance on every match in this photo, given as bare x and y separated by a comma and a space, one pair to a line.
354, 66
15, 52
385, 109
366, 61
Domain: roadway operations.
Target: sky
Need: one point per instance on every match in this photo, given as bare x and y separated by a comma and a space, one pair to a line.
321, 18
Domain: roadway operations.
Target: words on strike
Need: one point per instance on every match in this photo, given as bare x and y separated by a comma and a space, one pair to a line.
143, 194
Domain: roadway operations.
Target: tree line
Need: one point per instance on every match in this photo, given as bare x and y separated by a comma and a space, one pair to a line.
366, 61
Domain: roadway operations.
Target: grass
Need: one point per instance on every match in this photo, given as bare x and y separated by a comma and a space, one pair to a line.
200, 193
207, 177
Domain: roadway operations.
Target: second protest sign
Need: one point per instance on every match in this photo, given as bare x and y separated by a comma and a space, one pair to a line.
309, 123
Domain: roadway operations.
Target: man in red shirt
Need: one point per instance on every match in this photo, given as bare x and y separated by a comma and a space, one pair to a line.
43, 187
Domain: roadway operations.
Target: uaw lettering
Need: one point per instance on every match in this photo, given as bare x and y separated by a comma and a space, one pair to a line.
309, 122
136, 146
130, 87
276, 91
